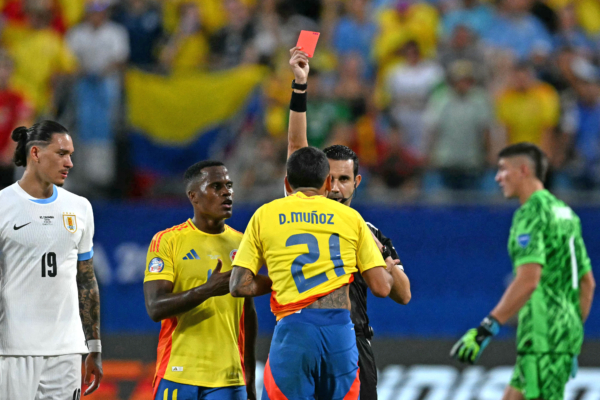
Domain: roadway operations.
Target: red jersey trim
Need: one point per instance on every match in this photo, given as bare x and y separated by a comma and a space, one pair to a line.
283, 310
242, 342
156, 384
165, 340
161, 234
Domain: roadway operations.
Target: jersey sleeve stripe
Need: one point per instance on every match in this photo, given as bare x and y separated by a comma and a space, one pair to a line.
159, 235
153, 242
85, 256
160, 238
165, 340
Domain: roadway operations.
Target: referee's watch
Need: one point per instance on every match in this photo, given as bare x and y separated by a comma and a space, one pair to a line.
299, 86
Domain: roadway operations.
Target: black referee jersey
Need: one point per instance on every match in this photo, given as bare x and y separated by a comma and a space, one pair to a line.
364, 333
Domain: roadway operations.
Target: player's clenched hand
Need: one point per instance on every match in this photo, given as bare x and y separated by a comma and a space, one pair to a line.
93, 366
299, 64
218, 281
469, 347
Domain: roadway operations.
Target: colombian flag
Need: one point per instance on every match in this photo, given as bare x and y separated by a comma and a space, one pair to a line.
183, 118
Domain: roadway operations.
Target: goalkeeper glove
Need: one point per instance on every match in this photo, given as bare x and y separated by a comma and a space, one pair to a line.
469, 348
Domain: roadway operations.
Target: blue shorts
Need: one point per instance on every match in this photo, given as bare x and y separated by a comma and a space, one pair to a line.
169, 390
313, 355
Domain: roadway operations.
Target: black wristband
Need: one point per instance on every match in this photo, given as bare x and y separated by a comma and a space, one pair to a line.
298, 102
299, 86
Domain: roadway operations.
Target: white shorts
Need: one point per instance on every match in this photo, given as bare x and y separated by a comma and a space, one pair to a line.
40, 378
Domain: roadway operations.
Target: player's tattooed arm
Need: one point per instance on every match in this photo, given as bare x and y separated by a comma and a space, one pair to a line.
162, 303
250, 333
339, 298
89, 299
89, 311
244, 283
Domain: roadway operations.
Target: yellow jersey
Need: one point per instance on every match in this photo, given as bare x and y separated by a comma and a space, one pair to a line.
527, 114
311, 246
51, 54
204, 346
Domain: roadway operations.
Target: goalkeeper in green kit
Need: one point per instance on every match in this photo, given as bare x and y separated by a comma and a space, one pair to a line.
553, 286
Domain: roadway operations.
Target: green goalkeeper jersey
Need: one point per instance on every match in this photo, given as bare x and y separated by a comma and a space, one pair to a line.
546, 231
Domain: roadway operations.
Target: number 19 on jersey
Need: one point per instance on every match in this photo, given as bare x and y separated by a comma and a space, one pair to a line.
49, 265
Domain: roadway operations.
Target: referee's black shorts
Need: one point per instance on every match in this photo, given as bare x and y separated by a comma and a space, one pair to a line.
368, 369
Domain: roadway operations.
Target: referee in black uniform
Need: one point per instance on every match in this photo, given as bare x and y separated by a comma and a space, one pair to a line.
343, 164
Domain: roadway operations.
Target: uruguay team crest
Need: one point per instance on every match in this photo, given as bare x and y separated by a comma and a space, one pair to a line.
232, 254
70, 222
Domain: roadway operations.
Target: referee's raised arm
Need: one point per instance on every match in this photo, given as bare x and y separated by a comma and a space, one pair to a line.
297, 125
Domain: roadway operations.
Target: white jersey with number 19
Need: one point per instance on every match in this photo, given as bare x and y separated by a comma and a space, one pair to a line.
41, 241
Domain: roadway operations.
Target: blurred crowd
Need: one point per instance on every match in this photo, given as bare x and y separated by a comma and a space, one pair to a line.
426, 92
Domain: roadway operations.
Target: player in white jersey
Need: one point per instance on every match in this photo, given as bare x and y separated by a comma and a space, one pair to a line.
49, 301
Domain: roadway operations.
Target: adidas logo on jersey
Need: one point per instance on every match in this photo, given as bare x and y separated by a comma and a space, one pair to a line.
192, 255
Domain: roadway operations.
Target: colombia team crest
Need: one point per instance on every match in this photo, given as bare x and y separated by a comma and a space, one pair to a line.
232, 254
70, 222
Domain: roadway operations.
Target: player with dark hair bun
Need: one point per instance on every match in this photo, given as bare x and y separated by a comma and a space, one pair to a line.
39, 135
50, 298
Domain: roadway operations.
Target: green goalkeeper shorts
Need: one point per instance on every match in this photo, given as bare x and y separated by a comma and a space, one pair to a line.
542, 376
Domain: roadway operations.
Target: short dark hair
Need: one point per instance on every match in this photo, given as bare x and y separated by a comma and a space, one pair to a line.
39, 134
307, 167
340, 152
195, 170
530, 150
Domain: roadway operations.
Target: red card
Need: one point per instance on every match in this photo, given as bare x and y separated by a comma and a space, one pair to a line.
308, 41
